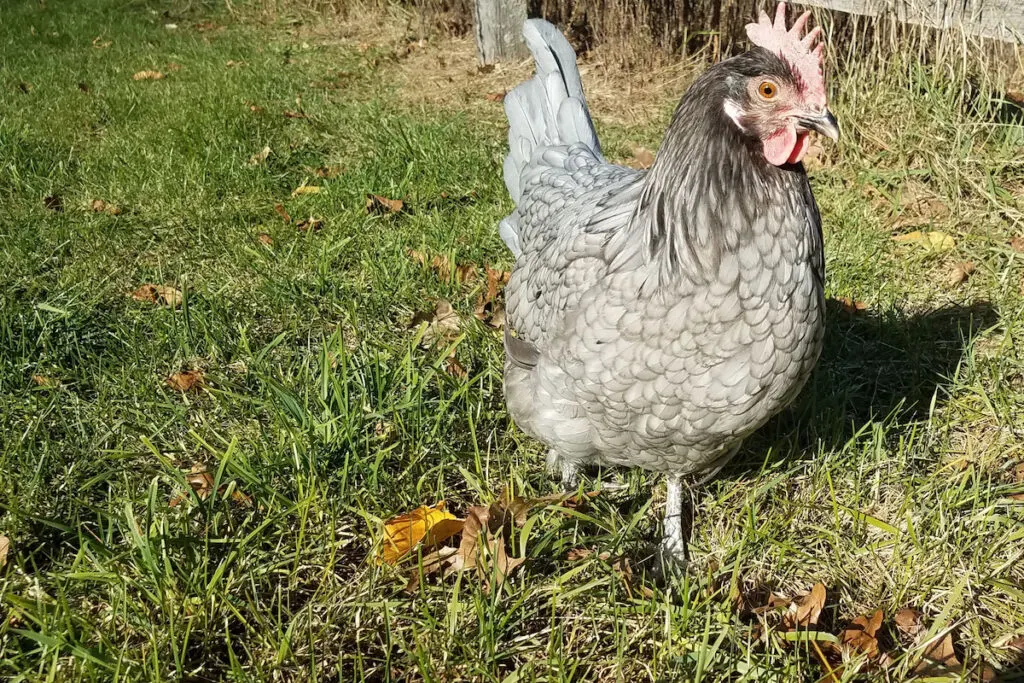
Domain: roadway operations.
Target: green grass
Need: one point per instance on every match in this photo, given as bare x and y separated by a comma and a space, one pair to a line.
890, 481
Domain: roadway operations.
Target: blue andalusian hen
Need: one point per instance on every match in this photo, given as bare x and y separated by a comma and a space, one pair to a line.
658, 318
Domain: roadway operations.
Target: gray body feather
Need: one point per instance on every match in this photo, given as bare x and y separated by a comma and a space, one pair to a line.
659, 317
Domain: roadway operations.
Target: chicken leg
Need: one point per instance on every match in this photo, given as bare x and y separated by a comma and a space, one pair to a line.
673, 542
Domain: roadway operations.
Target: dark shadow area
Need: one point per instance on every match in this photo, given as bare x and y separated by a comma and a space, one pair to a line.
873, 366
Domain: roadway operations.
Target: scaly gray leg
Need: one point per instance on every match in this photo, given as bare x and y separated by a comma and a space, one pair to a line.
673, 543
560, 467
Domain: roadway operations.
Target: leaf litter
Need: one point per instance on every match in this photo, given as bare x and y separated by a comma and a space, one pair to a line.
186, 381
163, 295
201, 481
484, 539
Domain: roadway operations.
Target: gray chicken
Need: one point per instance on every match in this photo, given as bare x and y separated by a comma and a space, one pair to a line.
655, 319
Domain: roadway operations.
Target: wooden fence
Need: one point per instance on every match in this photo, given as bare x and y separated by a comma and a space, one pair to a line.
497, 21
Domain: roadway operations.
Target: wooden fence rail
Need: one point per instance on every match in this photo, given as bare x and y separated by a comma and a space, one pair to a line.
497, 21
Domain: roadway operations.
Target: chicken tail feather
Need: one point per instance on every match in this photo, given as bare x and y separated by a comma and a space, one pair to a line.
547, 110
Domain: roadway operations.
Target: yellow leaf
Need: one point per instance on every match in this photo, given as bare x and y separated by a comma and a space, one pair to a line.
5, 547
402, 533
938, 241
147, 75
305, 189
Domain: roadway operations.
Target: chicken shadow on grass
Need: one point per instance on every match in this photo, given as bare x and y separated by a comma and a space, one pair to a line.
873, 367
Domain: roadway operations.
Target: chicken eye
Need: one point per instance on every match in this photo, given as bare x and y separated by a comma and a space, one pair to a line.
768, 90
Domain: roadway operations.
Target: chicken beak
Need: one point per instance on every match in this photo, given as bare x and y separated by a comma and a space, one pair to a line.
824, 123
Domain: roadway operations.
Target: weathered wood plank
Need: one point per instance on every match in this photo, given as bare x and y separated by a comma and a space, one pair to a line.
498, 25
1002, 19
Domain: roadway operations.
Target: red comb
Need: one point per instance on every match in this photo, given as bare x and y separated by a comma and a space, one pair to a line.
800, 51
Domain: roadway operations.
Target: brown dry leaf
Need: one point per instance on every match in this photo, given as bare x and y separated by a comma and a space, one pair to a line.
260, 156
487, 308
147, 75
933, 240
483, 548
909, 622
101, 44
186, 381
44, 381
804, 611
5, 548
959, 273
54, 202
455, 368
495, 96
577, 554
100, 206
443, 323
938, 657
310, 224
402, 533
465, 272
642, 158
305, 189
266, 239
1017, 243
294, 115
814, 155
859, 636
376, 204
518, 508
202, 482
279, 210
328, 171
255, 108
851, 306
159, 294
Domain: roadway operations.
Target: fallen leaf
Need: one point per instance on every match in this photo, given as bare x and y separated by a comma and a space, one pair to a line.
310, 224
305, 189
376, 204
279, 209
455, 368
159, 294
495, 96
642, 158
403, 533
5, 548
805, 610
851, 306
260, 156
813, 156
487, 308
465, 272
577, 554
147, 75
483, 548
1017, 243
938, 657
232, 64
860, 637
442, 323
202, 482
98, 206
101, 44
54, 202
959, 273
255, 108
266, 239
328, 171
934, 240
44, 381
186, 381
294, 115
909, 622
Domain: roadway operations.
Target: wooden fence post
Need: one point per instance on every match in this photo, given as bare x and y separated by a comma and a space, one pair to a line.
498, 25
